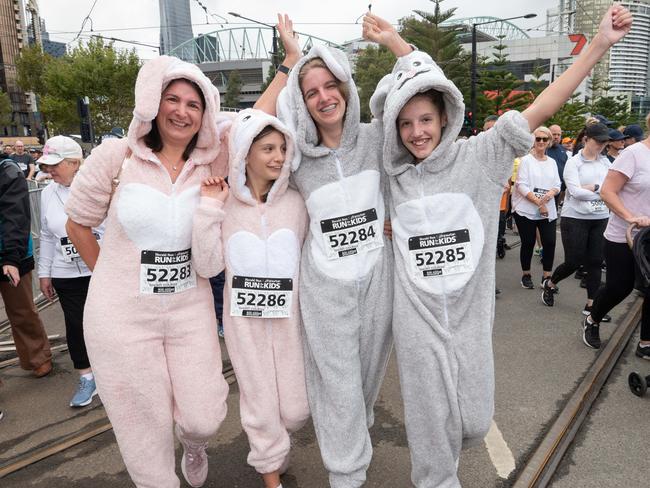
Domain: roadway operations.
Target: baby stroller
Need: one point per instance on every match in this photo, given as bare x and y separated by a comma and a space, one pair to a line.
641, 249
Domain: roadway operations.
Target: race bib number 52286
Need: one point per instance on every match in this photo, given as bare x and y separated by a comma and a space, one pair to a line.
261, 297
166, 271
441, 254
351, 234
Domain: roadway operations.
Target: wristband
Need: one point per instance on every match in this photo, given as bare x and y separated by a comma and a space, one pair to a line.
283, 69
596, 188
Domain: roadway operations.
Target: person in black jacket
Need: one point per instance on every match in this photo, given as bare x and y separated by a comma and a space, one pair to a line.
17, 262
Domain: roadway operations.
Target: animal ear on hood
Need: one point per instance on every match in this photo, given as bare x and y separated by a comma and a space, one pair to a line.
149, 87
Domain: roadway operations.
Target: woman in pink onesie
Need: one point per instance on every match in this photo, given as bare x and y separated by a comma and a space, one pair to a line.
149, 321
260, 226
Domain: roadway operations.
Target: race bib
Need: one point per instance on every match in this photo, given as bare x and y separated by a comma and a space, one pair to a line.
442, 254
597, 206
351, 234
70, 253
540, 192
263, 298
166, 272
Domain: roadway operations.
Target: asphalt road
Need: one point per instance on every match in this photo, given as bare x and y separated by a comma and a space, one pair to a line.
539, 358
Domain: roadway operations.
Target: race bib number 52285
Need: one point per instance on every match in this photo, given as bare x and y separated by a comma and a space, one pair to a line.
261, 297
351, 234
166, 271
441, 254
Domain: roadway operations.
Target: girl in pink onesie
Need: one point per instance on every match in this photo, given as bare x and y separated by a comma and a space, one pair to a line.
149, 321
260, 226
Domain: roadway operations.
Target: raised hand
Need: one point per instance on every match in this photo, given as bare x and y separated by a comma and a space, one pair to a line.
382, 32
214, 187
616, 23
289, 39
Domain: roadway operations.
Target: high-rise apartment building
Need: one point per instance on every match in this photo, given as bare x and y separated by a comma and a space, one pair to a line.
175, 24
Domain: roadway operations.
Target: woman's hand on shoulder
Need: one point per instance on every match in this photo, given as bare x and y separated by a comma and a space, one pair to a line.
215, 187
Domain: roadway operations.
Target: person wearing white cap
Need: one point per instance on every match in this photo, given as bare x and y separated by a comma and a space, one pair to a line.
61, 270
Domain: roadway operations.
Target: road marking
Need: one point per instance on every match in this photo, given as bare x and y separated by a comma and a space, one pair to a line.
499, 452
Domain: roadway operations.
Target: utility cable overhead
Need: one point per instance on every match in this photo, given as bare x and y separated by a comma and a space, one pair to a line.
83, 22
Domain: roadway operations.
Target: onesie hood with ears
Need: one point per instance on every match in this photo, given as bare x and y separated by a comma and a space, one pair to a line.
413, 74
292, 110
246, 126
154, 76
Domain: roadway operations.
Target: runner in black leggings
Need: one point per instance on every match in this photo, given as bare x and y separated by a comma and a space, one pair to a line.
626, 191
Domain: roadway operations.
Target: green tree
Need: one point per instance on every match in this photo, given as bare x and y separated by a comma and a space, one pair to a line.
96, 70
270, 74
6, 110
372, 64
501, 85
614, 107
571, 116
440, 42
233, 90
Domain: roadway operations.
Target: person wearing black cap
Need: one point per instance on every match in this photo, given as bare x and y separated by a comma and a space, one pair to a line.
633, 133
626, 191
584, 215
616, 144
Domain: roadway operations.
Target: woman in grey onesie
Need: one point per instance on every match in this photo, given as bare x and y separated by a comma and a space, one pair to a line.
444, 201
346, 270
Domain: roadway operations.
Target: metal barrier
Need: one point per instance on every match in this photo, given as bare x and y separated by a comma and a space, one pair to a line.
35, 189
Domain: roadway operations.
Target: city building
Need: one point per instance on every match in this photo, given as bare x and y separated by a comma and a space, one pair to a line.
14, 37
175, 24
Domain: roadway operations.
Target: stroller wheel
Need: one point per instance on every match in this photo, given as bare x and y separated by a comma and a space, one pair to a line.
637, 383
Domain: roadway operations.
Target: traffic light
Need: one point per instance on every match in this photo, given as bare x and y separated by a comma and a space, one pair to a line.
86, 126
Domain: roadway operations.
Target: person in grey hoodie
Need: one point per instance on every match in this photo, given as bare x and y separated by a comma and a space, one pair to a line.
444, 198
346, 269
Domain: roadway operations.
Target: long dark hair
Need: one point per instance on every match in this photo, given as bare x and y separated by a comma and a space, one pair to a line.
153, 140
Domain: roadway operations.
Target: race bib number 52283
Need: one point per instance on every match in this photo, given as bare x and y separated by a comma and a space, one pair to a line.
441, 254
261, 297
166, 271
351, 234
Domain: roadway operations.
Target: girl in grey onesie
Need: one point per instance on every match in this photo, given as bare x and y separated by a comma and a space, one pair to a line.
444, 203
346, 270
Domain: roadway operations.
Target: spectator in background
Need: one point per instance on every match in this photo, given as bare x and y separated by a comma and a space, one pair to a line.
558, 153
567, 144
217, 283
7, 150
489, 121
17, 261
616, 144
23, 160
633, 133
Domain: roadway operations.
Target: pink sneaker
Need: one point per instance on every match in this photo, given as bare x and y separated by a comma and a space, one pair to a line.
194, 463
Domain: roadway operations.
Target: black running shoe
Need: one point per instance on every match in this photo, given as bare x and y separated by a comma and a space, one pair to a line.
643, 351
587, 311
548, 294
590, 334
579, 274
527, 282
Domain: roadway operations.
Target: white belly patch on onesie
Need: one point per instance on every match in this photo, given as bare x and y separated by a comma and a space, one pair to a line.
263, 271
440, 238
160, 225
347, 224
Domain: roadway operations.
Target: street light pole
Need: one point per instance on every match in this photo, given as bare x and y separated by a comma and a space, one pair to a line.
473, 74
274, 54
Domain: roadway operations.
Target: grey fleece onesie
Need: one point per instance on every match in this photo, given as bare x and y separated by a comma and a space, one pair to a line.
346, 276
444, 214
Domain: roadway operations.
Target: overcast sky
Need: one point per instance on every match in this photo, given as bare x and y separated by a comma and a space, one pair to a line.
138, 20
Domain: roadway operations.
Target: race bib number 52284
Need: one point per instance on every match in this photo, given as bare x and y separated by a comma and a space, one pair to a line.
441, 254
261, 297
351, 234
166, 271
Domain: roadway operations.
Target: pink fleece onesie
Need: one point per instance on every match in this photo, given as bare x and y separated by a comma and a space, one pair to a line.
262, 240
152, 344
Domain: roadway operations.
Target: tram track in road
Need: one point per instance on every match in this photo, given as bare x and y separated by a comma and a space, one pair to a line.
545, 459
57, 445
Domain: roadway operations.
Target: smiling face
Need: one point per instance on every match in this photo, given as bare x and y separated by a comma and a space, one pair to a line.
420, 125
542, 141
265, 158
180, 113
323, 98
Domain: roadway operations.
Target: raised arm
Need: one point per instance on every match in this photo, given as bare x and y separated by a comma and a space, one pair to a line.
616, 23
289, 38
382, 32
